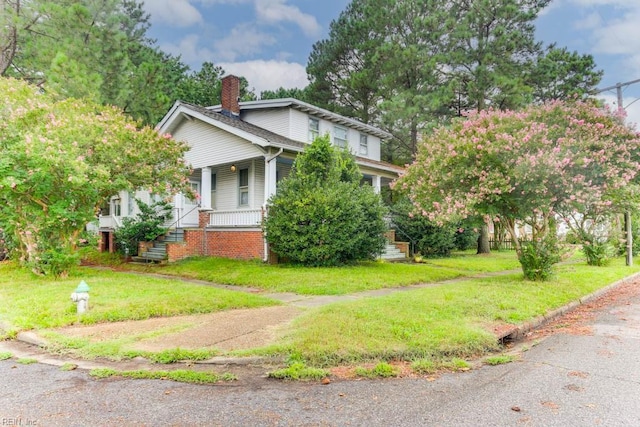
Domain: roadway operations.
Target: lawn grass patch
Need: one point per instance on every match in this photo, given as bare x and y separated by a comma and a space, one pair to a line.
68, 367
42, 302
26, 361
439, 323
499, 359
4, 355
471, 263
298, 371
180, 375
380, 370
121, 348
332, 280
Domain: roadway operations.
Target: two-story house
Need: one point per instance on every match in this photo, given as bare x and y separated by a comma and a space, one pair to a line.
239, 151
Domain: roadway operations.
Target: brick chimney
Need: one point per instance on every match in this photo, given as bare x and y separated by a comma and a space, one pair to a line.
230, 96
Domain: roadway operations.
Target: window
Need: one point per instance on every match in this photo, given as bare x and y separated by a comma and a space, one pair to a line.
340, 136
314, 128
364, 144
243, 186
116, 207
214, 184
195, 186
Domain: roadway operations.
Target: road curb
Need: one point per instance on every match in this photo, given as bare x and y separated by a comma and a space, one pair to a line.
518, 332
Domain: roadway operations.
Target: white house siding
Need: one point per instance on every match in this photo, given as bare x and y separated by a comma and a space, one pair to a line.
212, 146
299, 129
227, 192
275, 120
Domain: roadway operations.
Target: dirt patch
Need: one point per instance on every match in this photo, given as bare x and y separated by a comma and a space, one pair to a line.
228, 330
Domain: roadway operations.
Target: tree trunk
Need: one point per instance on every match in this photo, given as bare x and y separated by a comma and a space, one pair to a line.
483, 240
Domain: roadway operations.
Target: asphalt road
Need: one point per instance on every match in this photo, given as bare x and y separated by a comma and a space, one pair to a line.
567, 379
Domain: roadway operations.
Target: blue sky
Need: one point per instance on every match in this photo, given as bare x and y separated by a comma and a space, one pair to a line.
269, 41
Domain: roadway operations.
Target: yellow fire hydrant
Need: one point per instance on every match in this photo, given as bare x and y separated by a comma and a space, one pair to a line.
81, 297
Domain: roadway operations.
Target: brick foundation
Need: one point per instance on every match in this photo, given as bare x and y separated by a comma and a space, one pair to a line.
235, 244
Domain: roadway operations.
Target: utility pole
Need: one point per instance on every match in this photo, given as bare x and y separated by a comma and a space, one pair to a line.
627, 215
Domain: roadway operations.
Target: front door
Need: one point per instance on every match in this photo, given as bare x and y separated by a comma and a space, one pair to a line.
190, 212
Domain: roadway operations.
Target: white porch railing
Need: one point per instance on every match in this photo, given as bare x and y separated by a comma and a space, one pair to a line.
109, 221
237, 218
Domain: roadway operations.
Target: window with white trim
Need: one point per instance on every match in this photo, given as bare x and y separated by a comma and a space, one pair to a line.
364, 144
340, 136
243, 187
314, 128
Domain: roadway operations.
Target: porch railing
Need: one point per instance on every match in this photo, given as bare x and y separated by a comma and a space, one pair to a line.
109, 221
237, 218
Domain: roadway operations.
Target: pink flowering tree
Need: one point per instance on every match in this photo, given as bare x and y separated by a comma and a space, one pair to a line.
526, 167
61, 159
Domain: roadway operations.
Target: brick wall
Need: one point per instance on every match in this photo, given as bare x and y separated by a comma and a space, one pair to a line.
236, 244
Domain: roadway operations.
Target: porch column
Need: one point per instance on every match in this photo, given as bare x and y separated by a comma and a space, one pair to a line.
205, 197
377, 183
269, 179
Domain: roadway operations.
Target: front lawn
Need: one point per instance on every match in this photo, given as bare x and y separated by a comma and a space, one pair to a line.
452, 320
29, 301
333, 280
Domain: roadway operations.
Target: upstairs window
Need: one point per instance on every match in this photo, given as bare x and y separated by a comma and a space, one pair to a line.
243, 187
314, 128
364, 144
340, 136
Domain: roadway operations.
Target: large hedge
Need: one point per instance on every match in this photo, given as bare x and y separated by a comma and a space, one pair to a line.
321, 215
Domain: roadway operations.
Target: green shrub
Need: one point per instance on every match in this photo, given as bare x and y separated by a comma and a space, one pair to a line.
598, 254
321, 215
427, 238
145, 227
538, 256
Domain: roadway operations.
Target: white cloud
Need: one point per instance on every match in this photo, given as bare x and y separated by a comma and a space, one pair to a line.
269, 75
188, 50
245, 39
176, 13
275, 11
592, 21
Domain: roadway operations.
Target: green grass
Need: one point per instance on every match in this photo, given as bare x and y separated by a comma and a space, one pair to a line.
180, 375
335, 280
436, 323
470, 263
38, 302
26, 361
380, 370
121, 348
68, 367
298, 371
4, 355
499, 359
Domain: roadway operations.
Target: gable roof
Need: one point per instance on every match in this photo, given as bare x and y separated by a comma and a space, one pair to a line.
255, 134
310, 109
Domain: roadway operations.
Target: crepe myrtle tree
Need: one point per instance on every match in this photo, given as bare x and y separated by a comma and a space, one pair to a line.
528, 166
61, 159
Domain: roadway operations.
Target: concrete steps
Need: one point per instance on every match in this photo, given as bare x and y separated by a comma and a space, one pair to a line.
392, 253
158, 253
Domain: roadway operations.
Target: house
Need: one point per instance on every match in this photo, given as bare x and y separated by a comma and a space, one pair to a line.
239, 151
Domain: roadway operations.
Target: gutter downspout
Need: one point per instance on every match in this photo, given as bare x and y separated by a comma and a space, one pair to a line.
267, 161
